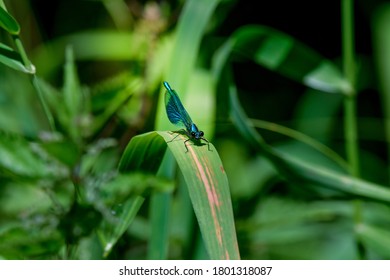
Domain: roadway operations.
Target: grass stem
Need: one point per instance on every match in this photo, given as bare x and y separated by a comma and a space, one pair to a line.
350, 108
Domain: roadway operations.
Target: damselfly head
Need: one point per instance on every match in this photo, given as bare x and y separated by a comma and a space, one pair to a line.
197, 134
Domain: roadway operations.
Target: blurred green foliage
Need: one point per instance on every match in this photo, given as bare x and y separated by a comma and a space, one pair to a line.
94, 82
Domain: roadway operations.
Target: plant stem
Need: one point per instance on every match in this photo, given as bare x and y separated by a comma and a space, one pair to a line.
350, 116
31, 69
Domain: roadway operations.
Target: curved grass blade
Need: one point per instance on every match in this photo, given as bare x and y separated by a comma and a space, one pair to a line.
12, 59
130, 210
283, 54
144, 152
206, 181
295, 168
182, 58
302, 138
209, 192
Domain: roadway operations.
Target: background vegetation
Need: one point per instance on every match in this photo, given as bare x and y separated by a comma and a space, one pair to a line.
294, 97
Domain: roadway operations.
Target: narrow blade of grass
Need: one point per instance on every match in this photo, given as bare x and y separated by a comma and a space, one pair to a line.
159, 215
293, 167
283, 54
375, 238
8, 22
12, 59
130, 210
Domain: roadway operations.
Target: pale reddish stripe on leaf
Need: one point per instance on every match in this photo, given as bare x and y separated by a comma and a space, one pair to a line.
211, 195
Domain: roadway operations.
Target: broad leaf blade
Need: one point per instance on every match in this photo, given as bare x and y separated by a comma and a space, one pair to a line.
209, 192
144, 153
205, 177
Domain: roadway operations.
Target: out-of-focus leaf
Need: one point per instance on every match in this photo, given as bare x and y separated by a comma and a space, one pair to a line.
8, 22
72, 95
159, 221
54, 100
62, 150
183, 57
245, 180
143, 153
283, 54
17, 157
71, 90
116, 101
381, 41
291, 229
129, 211
12, 59
375, 238
19, 242
316, 113
304, 139
17, 198
125, 185
292, 166
100, 45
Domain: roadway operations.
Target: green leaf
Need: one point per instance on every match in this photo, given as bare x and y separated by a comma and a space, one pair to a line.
115, 101
182, 58
188, 38
144, 153
159, 220
302, 138
52, 101
12, 59
283, 54
101, 45
295, 168
62, 150
375, 238
209, 192
129, 211
72, 94
17, 157
316, 113
8, 22
206, 180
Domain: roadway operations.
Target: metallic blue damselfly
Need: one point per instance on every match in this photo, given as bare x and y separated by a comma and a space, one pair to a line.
178, 115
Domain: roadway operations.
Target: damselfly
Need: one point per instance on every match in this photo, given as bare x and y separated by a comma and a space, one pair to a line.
178, 115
